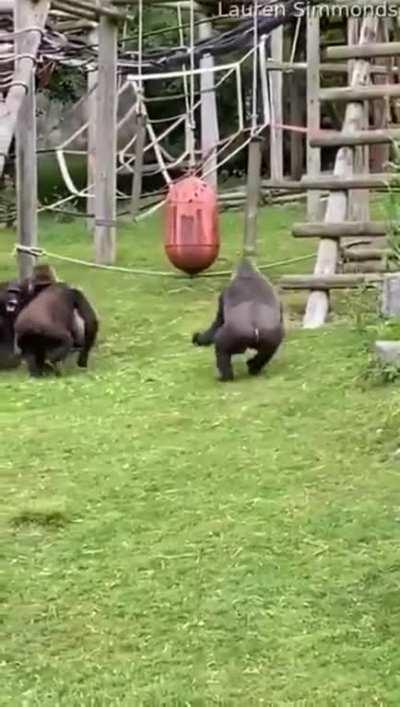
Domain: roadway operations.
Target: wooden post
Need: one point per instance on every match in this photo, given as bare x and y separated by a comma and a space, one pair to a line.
138, 165
275, 82
209, 117
252, 196
26, 156
91, 82
313, 112
296, 138
106, 144
358, 204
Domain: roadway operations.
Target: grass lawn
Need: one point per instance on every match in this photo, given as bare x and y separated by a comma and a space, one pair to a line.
170, 541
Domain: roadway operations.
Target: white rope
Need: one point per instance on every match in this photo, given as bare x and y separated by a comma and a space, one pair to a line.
40, 253
295, 40
264, 81
184, 78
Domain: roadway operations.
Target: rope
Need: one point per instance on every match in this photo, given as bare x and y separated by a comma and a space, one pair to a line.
192, 125
40, 253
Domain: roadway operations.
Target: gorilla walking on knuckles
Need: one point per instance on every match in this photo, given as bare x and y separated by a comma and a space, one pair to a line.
54, 318
249, 316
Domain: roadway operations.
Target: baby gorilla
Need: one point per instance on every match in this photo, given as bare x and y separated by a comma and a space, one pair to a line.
8, 310
249, 316
54, 319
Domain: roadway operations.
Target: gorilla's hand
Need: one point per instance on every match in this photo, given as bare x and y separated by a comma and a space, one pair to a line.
196, 338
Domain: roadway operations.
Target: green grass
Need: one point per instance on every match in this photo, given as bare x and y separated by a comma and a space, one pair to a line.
167, 540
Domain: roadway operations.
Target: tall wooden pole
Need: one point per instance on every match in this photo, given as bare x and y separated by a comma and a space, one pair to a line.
92, 78
276, 133
106, 144
26, 153
252, 196
137, 179
313, 112
209, 117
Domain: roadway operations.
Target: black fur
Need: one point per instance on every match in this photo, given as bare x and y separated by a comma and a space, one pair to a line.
51, 323
249, 316
9, 301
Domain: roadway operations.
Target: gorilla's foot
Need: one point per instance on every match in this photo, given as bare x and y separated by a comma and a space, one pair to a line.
226, 377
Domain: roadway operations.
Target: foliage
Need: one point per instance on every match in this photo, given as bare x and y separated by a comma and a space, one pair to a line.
66, 84
167, 540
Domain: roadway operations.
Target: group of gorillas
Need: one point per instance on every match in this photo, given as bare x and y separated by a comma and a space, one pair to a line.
43, 320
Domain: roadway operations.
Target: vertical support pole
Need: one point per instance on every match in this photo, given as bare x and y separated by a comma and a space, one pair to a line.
26, 167
313, 112
209, 117
276, 133
106, 144
138, 166
296, 118
358, 199
252, 196
91, 81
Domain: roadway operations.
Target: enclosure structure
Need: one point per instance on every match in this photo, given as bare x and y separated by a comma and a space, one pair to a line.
337, 202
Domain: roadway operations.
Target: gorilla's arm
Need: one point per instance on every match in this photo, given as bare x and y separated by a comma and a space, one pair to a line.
206, 338
88, 315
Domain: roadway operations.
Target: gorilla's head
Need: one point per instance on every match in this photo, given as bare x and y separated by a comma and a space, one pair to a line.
13, 299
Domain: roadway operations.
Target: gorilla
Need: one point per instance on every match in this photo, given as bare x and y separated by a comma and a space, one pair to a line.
53, 320
8, 308
249, 316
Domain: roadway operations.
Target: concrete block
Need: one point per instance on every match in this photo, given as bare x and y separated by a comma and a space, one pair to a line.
388, 351
390, 306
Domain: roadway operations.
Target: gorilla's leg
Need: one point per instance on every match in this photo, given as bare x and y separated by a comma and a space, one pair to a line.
59, 349
224, 364
207, 337
262, 357
35, 361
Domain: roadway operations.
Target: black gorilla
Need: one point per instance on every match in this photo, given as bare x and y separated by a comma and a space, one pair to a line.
54, 319
8, 310
249, 316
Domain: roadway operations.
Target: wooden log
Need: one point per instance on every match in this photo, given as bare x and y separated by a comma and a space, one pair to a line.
327, 68
365, 51
209, 122
329, 282
296, 138
364, 254
253, 195
74, 11
26, 164
313, 111
91, 103
275, 82
106, 144
359, 93
374, 181
98, 8
35, 15
318, 302
138, 166
341, 229
335, 138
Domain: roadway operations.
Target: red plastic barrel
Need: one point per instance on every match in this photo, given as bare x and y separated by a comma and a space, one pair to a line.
191, 225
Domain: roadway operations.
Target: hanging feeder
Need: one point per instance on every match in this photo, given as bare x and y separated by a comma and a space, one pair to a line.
191, 225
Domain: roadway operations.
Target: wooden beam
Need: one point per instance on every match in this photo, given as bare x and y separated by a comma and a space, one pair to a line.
318, 302
335, 138
73, 11
252, 197
341, 229
362, 255
91, 107
365, 51
296, 118
137, 180
35, 15
313, 111
328, 282
106, 144
359, 93
332, 183
26, 163
275, 82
